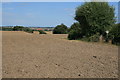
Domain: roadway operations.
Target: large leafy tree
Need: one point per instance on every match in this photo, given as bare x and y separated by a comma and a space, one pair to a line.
95, 17
60, 29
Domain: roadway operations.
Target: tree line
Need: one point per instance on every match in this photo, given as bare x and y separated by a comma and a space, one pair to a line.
21, 28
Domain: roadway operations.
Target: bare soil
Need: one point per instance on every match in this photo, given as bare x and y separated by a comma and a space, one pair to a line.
26, 55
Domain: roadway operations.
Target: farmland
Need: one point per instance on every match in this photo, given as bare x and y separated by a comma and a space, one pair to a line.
27, 55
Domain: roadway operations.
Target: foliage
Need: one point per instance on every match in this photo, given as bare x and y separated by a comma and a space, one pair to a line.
60, 29
21, 28
74, 26
7, 29
18, 28
74, 32
41, 32
74, 35
114, 34
94, 20
95, 17
94, 38
28, 30
46, 30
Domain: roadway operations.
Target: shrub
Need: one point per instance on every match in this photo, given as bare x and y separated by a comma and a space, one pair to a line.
74, 32
7, 29
73, 35
42, 32
60, 29
114, 34
94, 38
18, 28
85, 39
74, 26
28, 30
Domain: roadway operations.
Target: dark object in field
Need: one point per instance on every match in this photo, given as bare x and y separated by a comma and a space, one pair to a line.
95, 56
79, 75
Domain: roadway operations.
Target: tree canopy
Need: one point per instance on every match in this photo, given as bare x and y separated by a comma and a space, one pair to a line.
95, 17
115, 34
75, 31
60, 29
18, 28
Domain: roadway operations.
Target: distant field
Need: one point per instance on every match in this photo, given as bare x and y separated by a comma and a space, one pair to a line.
27, 55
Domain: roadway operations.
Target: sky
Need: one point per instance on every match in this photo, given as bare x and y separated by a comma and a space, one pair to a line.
41, 14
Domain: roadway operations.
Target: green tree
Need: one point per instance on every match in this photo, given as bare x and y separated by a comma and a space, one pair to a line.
21, 28
60, 29
42, 32
74, 26
114, 34
75, 31
7, 29
18, 28
26, 29
95, 17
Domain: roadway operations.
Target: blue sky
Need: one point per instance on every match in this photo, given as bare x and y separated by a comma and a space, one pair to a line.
43, 14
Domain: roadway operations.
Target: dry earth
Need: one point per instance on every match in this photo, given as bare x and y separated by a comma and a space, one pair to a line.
28, 55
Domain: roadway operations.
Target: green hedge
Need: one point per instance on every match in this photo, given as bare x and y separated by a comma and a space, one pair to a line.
42, 32
21, 28
6, 29
28, 30
18, 28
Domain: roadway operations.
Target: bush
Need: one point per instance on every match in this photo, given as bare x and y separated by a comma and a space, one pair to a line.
94, 38
42, 32
74, 32
74, 26
60, 29
18, 28
85, 39
28, 30
73, 35
7, 29
114, 34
